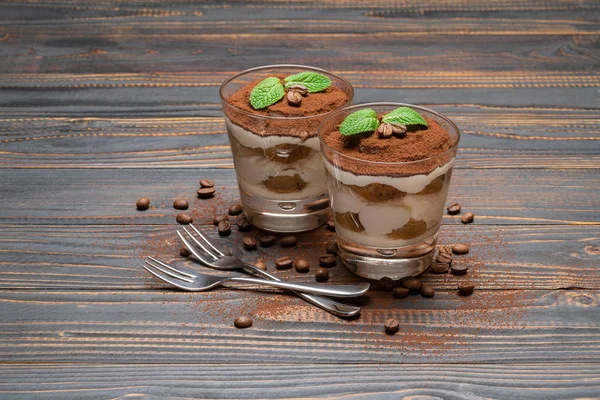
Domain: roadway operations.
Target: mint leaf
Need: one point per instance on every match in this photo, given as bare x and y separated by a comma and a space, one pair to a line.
364, 120
405, 116
268, 91
314, 82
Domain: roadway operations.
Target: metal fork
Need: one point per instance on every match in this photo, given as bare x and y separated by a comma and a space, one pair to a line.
215, 256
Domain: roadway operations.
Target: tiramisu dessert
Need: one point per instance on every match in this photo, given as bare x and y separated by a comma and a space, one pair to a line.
389, 168
272, 116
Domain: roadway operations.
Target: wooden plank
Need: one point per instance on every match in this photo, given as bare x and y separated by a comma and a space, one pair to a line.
101, 196
531, 381
110, 257
175, 327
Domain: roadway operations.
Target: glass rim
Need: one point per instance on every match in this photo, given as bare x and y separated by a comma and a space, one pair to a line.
274, 66
393, 104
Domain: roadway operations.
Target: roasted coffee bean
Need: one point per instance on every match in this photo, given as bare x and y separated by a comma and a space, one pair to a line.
400, 292
184, 252
142, 203
439, 268
467, 218
206, 193
391, 326
184, 218
294, 98
426, 290
445, 250
288, 241
460, 248
180, 204
243, 224
219, 218
399, 130
284, 262
261, 264
317, 205
302, 265
322, 274
387, 284
413, 285
385, 131
465, 289
327, 260
235, 209
453, 208
206, 183
303, 90
332, 247
224, 228
249, 243
443, 258
330, 225
243, 322
459, 269
267, 241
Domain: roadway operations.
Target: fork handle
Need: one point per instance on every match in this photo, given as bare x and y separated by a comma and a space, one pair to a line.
326, 290
331, 306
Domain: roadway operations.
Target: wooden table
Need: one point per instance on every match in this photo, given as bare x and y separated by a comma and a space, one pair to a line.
104, 102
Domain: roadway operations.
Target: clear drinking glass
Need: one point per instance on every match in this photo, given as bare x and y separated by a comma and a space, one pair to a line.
279, 168
387, 217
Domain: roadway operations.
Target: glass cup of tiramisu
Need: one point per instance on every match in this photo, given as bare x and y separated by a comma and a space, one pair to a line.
272, 115
389, 168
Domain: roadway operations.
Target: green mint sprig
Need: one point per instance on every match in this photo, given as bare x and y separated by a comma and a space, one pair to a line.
404, 116
360, 121
311, 80
269, 91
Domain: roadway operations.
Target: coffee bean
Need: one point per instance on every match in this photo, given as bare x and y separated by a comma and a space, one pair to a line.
453, 208
303, 90
322, 274
387, 284
267, 241
459, 269
261, 264
317, 205
224, 228
249, 243
294, 98
391, 326
288, 241
242, 322
206, 193
235, 209
327, 260
302, 265
142, 203
206, 183
385, 131
445, 250
180, 204
219, 218
465, 289
184, 218
443, 258
426, 290
284, 262
439, 268
400, 292
399, 130
460, 248
330, 225
332, 247
243, 224
467, 218
184, 252
413, 285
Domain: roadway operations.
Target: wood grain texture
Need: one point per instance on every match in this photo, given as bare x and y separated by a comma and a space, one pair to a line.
452, 382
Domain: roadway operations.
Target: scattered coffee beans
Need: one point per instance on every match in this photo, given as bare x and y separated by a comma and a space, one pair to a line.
454, 208
413, 285
332, 247
184, 252
322, 274
400, 292
284, 262
460, 248
224, 228
302, 265
235, 209
467, 218
243, 322
142, 203
180, 204
206, 183
219, 218
294, 98
267, 241
443, 258
261, 264
459, 269
465, 289
327, 260
426, 290
184, 218
330, 225
249, 243
445, 250
243, 224
391, 326
439, 268
387, 284
288, 241
206, 193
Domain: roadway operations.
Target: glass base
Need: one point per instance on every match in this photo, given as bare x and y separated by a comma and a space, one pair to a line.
286, 215
394, 263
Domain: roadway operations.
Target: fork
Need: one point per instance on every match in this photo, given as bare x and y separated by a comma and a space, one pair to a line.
214, 257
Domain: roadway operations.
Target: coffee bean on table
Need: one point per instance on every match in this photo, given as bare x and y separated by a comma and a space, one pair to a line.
439, 268
413, 285
465, 289
467, 218
330, 225
180, 204
322, 274
445, 250
206, 193
267, 241
243, 224
332, 247
284, 262
426, 290
235, 209
242, 322
387, 284
249, 243
219, 218
206, 183
327, 260
459, 269
391, 326
184, 252
143, 203
261, 264
444, 258
184, 218
288, 241
454, 208
460, 248
400, 292
301, 265
224, 228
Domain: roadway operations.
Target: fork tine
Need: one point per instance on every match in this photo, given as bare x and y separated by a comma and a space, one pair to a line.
219, 252
166, 278
171, 268
207, 251
193, 250
172, 274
